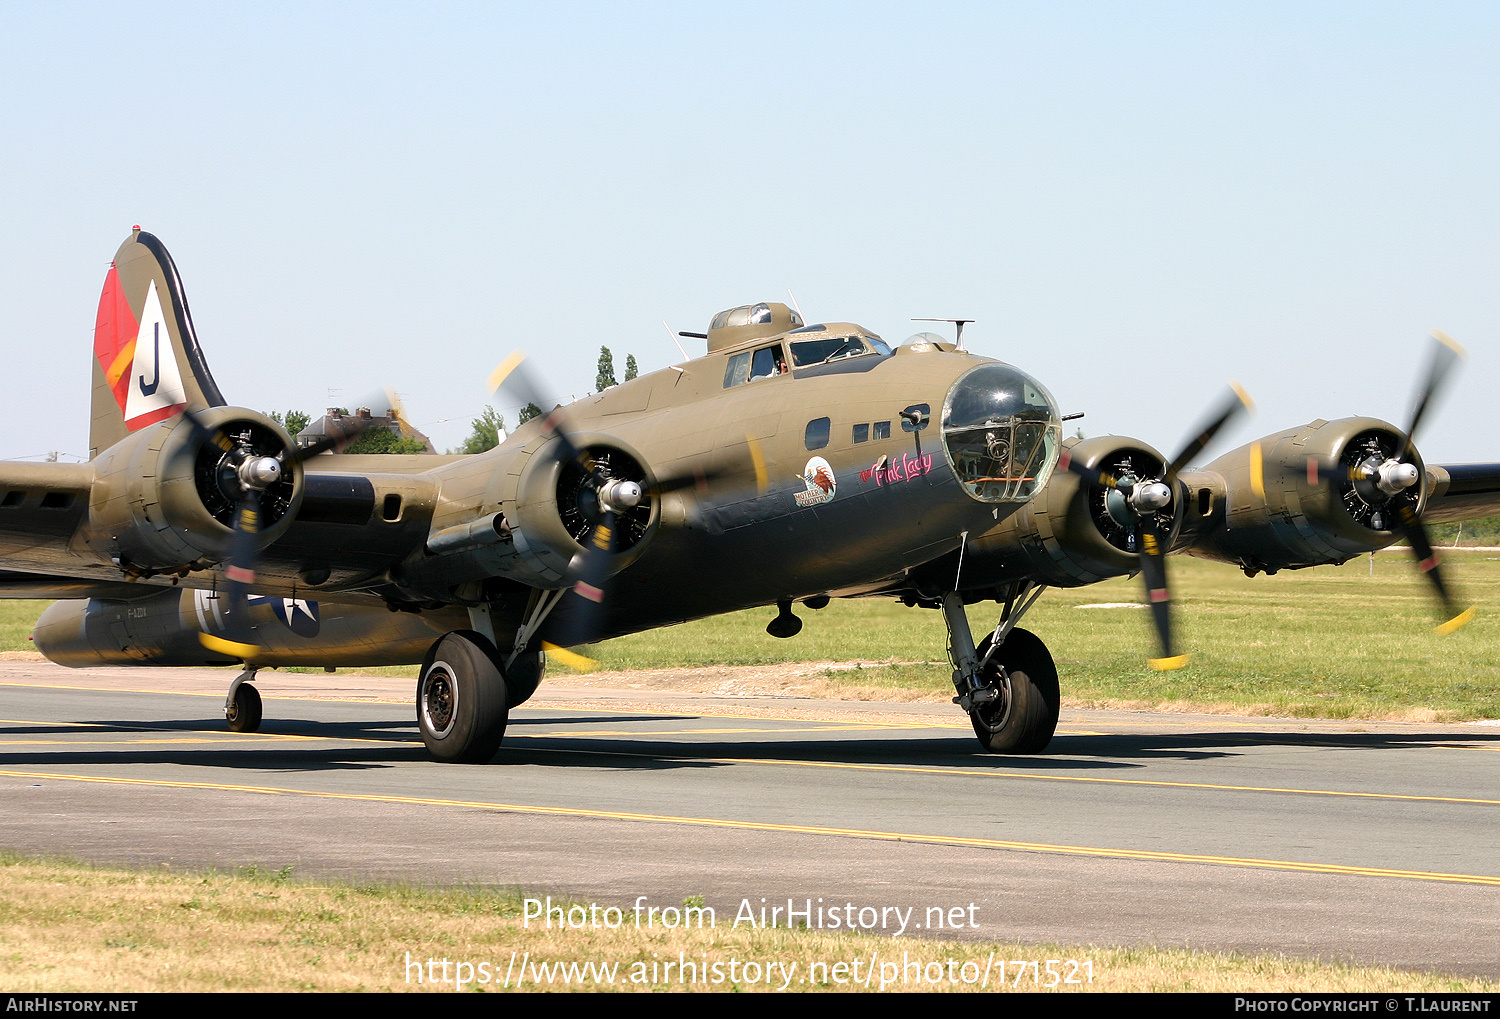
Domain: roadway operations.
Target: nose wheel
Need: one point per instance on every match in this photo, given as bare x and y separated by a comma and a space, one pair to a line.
1008, 684
1023, 715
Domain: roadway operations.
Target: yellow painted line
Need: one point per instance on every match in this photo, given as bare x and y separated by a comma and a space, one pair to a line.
599, 733
221, 736
217, 696
126, 742
794, 829
980, 773
33, 721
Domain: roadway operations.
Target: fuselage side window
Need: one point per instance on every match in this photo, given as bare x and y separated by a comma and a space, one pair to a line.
882, 429
862, 433
817, 433
738, 370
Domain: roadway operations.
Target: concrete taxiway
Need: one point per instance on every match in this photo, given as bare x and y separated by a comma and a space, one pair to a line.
1362, 841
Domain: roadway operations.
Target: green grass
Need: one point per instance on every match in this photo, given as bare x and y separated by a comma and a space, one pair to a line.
1328, 642
17, 618
1483, 531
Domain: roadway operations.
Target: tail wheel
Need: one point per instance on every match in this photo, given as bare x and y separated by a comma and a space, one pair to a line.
244, 712
461, 700
1022, 719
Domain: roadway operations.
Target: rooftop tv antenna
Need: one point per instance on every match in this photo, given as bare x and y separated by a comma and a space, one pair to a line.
960, 322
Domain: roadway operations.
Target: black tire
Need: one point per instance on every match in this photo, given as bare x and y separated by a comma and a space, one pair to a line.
523, 677
461, 700
1023, 719
243, 713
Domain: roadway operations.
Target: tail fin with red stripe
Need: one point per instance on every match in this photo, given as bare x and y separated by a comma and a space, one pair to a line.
147, 362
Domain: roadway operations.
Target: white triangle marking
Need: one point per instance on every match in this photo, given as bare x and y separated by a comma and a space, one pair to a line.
155, 382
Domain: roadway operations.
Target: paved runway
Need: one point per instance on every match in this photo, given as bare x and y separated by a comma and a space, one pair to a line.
1370, 842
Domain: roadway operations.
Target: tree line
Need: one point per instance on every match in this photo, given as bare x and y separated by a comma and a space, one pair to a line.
487, 430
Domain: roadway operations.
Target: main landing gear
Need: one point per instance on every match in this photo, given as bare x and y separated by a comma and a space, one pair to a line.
1008, 684
462, 700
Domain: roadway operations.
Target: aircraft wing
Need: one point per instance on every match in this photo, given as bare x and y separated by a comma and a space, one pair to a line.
60, 524
41, 508
1463, 492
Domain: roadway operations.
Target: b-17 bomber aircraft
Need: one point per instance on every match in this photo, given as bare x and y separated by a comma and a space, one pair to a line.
793, 462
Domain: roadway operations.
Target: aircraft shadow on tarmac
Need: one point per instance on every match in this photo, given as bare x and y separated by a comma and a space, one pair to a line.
647, 751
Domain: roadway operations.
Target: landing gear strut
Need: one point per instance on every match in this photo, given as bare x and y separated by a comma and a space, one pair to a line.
1008, 684
242, 704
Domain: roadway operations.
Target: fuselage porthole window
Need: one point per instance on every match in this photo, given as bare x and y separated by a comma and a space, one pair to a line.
817, 433
882, 430
862, 433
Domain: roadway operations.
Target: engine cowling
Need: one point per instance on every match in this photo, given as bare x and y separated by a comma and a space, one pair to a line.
1305, 516
1072, 533
533, 522
164, 499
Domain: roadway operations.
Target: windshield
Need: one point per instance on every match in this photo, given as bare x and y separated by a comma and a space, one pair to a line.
823, 349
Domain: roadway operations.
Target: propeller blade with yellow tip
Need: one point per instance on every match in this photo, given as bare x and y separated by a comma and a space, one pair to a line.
572, 659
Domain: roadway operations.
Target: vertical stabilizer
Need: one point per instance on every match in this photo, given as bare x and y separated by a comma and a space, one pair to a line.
147, 362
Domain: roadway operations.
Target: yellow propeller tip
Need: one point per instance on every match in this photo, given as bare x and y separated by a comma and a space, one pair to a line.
500, 374
232, 648
1243, 394
573, 660
1458, 622
1449, 342
758, 458
1171, 664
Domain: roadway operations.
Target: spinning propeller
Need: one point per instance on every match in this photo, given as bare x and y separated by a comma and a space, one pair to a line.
1146, 501
604, 496
243, 474
1380, 485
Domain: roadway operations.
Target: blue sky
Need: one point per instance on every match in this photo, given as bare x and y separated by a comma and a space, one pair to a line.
1136, 202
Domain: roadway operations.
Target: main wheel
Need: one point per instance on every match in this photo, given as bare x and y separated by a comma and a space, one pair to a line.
243, 713
1022, 719
461, 700
523, 677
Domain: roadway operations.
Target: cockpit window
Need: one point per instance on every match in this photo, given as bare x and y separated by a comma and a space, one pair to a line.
748, 366
768, 362
738, 370
806, 353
